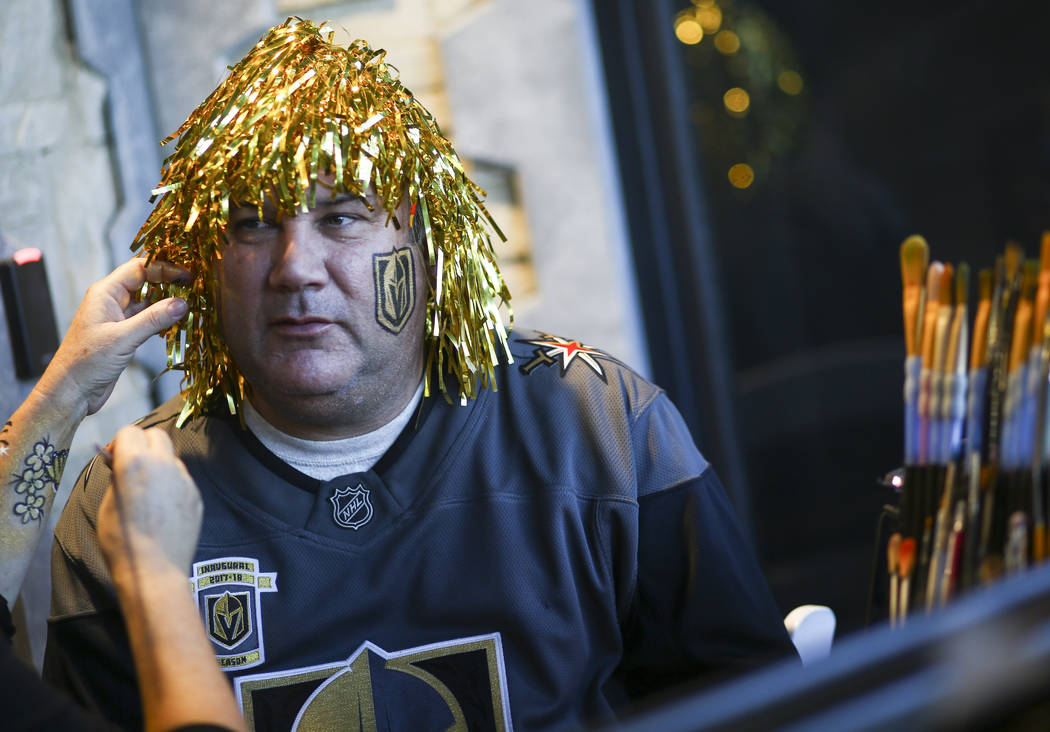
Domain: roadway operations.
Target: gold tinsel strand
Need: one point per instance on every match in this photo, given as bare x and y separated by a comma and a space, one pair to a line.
296, 106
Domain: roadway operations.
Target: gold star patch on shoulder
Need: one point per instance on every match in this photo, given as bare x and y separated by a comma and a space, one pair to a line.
552, 349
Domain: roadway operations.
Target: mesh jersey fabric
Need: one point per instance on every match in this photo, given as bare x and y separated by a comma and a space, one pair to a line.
532, 560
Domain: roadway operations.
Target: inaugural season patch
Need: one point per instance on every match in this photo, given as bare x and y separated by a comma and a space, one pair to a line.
227, 591
456, 685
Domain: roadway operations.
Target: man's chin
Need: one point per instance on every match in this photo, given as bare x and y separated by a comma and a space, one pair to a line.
307, 389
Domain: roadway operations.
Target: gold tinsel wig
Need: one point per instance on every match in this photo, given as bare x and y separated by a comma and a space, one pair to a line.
294, 107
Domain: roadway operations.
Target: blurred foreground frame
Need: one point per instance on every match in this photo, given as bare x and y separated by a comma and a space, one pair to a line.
978, 664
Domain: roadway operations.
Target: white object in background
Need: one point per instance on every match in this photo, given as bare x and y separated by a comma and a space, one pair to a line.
812, 628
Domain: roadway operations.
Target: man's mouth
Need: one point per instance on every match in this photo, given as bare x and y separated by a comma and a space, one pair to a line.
300, 326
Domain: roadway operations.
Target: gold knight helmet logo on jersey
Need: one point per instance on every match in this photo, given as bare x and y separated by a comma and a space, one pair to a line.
229, 621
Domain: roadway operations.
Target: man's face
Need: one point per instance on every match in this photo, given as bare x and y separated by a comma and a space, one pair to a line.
323, 314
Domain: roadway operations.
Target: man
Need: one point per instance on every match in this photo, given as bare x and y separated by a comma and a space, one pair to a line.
144, 532
532, 551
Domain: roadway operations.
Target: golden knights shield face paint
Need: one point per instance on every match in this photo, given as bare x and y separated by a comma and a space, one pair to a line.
395, 285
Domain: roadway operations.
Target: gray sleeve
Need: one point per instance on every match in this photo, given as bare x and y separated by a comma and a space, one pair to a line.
80, 581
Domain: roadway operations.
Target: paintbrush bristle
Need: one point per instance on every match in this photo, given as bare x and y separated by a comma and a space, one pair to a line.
928, 319
1012, 259
933, 281
906, 556
892, 553
946, 290
915, 256
1029, 278
979, 347
962, 283
1044, 253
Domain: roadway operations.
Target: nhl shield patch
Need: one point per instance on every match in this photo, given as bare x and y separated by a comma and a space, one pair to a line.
395, 284
351, 507
228, 591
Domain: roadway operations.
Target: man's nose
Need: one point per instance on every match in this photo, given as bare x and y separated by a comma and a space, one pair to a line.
299, 261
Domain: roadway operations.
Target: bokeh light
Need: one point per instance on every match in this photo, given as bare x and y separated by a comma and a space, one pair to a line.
709, 15
687, 29
790, 82
737, 101
741, 175
727, 42
748, 101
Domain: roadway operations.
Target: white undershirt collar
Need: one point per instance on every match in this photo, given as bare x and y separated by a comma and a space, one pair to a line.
326, 459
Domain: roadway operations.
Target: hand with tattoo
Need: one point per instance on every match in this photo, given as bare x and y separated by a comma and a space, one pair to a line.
110, 324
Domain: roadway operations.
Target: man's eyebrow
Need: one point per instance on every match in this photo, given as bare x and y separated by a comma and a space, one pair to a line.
241, 205
342, 198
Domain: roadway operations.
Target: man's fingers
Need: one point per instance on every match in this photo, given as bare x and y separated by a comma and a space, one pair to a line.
156, 318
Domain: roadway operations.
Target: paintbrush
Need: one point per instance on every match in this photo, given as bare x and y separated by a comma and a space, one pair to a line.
938, 555
892, 550
954, 395
1016, 552
1037, 378
936, 322
976, 389
905, 564
939, 365
955, 390
953, 564
1013, 404
1040, 374
922, 561
1042, 297
1022, 420
106, 453
915, 255
1000, 326
928, 345
1038, 366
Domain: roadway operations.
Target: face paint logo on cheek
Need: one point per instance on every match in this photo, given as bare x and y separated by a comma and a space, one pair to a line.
395, 286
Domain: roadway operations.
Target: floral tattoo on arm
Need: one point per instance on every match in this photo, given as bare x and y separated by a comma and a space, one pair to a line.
38, 479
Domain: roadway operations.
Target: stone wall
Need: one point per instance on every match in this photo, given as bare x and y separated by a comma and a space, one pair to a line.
58, 194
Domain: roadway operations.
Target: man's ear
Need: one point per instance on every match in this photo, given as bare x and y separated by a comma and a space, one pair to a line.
419, 232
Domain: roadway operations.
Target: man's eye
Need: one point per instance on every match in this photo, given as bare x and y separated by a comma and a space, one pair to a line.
338, 219
250, 226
